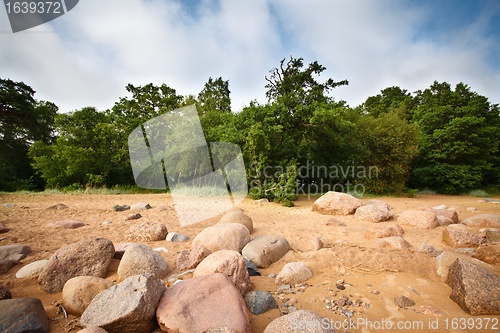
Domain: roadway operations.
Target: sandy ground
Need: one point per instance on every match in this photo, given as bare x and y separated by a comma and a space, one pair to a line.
332, 263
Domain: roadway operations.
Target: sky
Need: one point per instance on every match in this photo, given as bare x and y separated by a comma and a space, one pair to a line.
87, 56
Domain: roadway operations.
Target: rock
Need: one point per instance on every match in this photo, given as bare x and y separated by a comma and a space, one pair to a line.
384, 231
300, 321
395, 242
333, 221
162, 208
212, 299
7, 264
431, 311
79, 291
259, 302
32, 269
188, 259
266, 249
263, 200
21, 315
236, 216
8, 205
14, 252
176, 237
141, 259
66, 224
373, 213
445, 259
92, 330
418, 219
147, 232
475, 289
489, 253
483, 221
380, 203
332, 203
107, 222
90, 257
135, 216
403, 302
466, 250
58, 206
446, 213
293, 273
3, 228
461, 238
120, 249
5, 293
231, 264
251, 268
441, 207
128, 307
118, 208
227, 236
443, 220
140, 206
492, 236
429, 250
306, 244
471, 209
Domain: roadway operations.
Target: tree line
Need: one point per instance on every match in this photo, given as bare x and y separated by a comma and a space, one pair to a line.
441, 138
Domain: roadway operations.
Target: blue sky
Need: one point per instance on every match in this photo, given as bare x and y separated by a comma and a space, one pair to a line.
87, 56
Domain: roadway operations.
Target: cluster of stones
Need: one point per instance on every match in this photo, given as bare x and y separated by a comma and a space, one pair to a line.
218, 295
475, 253
222, 260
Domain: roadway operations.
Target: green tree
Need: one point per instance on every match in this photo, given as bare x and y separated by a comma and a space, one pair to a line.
214, 97
460, 139
81, 154
390, 99
22, 121
389, 144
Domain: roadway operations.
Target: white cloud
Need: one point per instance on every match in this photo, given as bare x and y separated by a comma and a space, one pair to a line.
89, 55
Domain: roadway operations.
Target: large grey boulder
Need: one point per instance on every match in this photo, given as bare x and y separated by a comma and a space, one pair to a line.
90, 257
266, 249
141, 259
227, 236
128, 307
14, 252
21, 315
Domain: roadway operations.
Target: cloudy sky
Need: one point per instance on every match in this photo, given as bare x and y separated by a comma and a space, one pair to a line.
87, 56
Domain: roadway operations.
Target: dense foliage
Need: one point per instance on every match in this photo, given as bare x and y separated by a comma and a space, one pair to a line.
300, 141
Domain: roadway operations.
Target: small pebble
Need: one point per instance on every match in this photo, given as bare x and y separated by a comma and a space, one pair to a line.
376, 292
107, 222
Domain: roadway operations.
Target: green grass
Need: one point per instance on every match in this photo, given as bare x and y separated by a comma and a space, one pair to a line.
478, 193
124, 189
426, 191
203, 191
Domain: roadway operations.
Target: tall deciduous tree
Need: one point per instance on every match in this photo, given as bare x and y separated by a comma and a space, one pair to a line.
461, 130
82, 152
22, 121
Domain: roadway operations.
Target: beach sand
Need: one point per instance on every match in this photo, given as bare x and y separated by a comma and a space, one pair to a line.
391, 272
